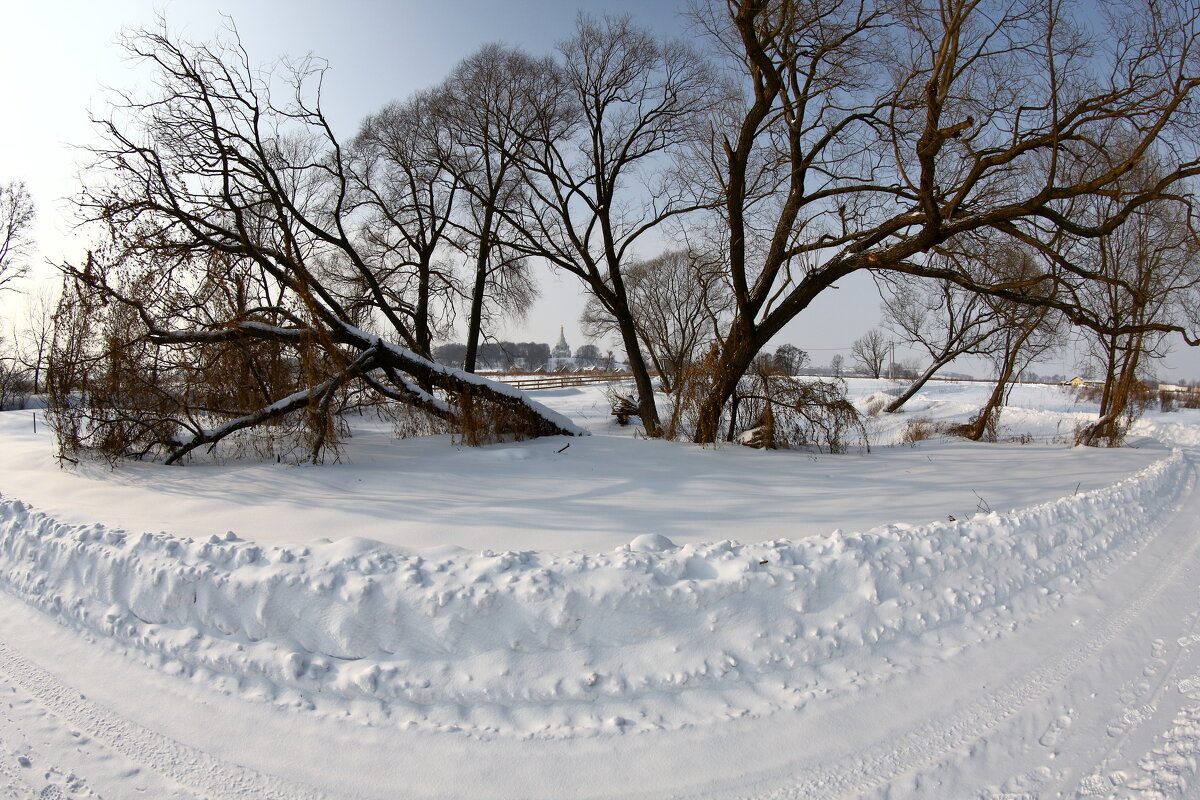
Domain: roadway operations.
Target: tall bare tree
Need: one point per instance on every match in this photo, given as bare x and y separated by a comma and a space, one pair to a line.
491, 101
597, 164
16, 215
836, 364
1149, 272
943, 319
1024, 334
868, 134
231, 214
402, 183
32, 340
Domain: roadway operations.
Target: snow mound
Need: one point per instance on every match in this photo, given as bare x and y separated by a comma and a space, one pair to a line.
651, 543
554, 645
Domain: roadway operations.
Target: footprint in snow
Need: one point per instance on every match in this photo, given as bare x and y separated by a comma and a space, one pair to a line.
1190, 686
1055, 731
1130, 719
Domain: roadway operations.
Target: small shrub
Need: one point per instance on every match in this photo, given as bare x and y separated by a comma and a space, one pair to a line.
920, 429
1166, 401
623, 404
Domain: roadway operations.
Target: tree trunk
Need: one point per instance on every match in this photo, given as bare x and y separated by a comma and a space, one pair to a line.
475, 322
647, 408
985, 419
1118, 387
737, 353
915, 386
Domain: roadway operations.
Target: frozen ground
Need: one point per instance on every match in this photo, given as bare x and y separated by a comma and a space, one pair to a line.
624, 618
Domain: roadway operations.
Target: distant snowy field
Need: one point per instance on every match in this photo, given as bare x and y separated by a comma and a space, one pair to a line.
620, 618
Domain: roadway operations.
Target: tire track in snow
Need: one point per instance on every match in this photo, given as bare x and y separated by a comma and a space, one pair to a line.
854, 775
1165, 675
1168, 768
205, 774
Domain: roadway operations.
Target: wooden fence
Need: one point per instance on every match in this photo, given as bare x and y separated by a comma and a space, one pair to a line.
560, 380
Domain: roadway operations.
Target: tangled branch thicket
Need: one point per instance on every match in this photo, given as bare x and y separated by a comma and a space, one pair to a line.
772, 410
789, 413
122, 385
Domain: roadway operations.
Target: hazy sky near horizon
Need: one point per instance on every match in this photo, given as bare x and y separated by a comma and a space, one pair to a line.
57, 58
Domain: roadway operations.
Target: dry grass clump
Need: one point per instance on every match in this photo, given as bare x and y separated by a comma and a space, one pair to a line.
409, 422
874, 407
920, 429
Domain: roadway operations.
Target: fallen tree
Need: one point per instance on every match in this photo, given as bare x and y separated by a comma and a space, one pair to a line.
236, 287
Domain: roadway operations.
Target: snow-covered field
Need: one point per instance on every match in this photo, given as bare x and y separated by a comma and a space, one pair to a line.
619, 618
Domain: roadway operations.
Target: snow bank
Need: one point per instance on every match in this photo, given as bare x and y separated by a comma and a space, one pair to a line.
534, 644
1179, 429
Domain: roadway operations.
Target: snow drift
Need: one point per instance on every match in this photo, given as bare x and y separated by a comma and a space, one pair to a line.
649, 635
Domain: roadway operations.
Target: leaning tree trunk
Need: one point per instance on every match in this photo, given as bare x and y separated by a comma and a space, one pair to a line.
985, 421
173, 417
915, 386
477, 403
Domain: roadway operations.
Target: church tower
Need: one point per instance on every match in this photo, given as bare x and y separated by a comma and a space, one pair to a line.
562, 349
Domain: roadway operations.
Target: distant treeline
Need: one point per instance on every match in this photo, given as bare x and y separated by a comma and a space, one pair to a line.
520, 355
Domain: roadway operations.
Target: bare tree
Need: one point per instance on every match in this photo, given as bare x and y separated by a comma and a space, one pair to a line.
14, 382
1151, 270
491, 101
1026, 334
407, 194
869, 352
595, 164
836, 364
868, 134
790, 359
588, 354
16, 215
676, 300
229, 211
36, 334
941, 318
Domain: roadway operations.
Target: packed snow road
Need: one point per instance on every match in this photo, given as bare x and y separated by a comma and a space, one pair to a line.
1048, 651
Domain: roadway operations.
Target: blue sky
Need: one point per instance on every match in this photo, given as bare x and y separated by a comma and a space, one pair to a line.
57, 57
